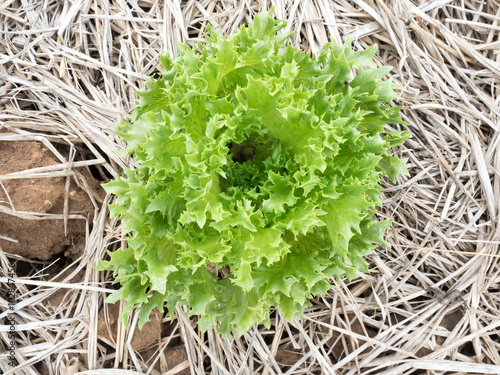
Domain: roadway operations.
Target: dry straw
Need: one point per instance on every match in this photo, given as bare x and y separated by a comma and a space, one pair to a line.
70, 69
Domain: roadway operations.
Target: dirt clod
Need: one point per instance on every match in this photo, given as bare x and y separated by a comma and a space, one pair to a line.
142, 339
286, 357
33, 235
176, 356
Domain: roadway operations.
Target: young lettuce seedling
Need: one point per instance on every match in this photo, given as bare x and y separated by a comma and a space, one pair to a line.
257, 159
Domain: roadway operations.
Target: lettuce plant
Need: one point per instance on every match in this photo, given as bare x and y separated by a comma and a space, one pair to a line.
260, 170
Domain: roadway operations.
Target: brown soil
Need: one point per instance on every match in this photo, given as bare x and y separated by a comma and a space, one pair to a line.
287, 357
40, 239
144, 338
147, 340
177, 356
174, 357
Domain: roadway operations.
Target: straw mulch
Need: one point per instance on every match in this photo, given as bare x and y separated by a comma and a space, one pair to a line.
69, 71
